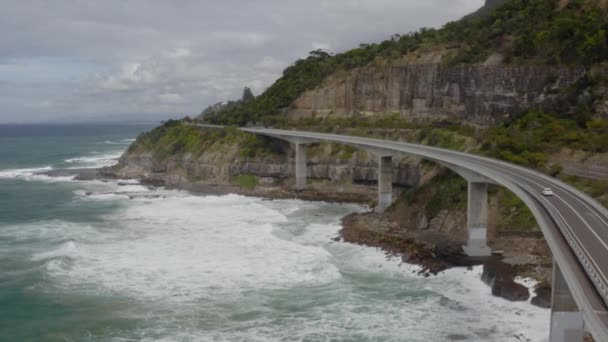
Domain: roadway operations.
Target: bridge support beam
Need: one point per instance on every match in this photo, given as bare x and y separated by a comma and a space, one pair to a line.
385, 183
477, 219
300, 167
566, 319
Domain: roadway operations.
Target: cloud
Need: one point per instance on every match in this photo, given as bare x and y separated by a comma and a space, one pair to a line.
170, 98
242, 39
270, 63
148, 59
177, 53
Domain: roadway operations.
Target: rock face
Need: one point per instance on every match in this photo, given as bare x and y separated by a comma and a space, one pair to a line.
479, 94
218, 166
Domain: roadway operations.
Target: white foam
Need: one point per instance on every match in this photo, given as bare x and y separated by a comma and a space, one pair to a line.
22, 173
194, 263
66, 249
193, 247
50, 231
119, 142
34, 174
95, 161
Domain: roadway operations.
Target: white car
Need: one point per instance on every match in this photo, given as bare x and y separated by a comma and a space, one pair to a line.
547, 192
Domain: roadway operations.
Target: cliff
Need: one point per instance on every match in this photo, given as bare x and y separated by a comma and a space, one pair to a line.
478, 94
221, 160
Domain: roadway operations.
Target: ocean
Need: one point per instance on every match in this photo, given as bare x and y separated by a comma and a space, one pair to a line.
117, 261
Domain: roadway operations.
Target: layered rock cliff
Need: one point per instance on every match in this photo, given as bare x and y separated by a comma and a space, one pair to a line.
479, 94
335, 172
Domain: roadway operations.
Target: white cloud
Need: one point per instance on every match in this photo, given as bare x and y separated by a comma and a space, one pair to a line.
170, 98
242, 39
177, 53
137, 58
270, 63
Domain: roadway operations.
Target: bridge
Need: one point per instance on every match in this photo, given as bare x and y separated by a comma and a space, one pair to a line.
574, 225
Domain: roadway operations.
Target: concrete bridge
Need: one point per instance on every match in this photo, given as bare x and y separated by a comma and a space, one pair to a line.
574, 225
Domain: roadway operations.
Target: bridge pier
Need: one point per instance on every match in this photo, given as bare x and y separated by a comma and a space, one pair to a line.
477, 220
566, 319
385, 183
300, 167
477, 212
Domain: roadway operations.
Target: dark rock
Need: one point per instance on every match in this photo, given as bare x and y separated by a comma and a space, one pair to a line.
510, 290
451, 252
500, 276
543, 297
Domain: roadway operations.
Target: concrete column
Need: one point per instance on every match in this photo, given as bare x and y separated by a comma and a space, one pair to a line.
477, 220
385, 183
566, 319
300, 167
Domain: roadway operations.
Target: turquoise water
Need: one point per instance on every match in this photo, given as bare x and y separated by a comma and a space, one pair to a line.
115, 261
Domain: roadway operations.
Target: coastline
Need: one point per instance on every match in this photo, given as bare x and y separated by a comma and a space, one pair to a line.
499, 273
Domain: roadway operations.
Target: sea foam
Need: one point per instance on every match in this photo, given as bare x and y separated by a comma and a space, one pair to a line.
237, 268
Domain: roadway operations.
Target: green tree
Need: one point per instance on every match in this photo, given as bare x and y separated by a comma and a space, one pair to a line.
247, 94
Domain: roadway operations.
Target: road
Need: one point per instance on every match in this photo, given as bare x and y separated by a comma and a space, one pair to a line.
574, 225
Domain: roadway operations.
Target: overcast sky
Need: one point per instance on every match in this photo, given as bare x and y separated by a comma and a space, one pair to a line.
136, 60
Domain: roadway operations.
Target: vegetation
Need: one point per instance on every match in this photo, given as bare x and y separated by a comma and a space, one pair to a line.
517, 216
247, 95
594, 188
524, 31
529, 139
176, 138
448, 191
534, 31
245, 181
171, 138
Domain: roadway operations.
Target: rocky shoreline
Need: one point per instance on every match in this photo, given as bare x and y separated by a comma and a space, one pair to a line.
366, 229
498, 272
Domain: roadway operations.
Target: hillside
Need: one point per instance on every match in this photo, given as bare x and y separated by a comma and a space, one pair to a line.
525, 82
537, 32
486, 9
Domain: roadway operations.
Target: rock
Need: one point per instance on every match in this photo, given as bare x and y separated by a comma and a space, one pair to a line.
451, 252
500, 276
510, 290
478, 94
542, 298
423, 222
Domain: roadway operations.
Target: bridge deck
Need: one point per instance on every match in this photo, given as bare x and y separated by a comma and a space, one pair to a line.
574, 225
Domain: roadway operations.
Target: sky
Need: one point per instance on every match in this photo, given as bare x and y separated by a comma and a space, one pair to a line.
146, 61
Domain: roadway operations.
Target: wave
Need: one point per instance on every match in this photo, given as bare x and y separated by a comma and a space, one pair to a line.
95, 161
20, 173
34, 174
119, 142
66, 249
51, 231
272, 262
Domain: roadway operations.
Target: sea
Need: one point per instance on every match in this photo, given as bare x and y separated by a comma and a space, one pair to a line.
118, 261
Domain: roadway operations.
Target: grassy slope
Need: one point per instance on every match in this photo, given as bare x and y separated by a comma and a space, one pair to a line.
175, 138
